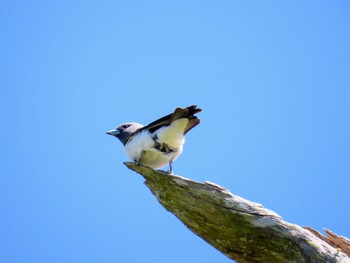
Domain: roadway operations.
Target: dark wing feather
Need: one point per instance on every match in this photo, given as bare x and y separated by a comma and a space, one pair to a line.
177, 114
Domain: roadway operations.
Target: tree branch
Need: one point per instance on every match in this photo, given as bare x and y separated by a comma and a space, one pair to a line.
242, 230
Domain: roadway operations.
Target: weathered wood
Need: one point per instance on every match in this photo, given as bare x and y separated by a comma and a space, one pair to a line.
333, 239
242, 230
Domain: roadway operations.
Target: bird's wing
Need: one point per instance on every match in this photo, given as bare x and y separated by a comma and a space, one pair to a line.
179, 113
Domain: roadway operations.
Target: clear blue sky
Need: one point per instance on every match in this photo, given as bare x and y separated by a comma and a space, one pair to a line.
272, 77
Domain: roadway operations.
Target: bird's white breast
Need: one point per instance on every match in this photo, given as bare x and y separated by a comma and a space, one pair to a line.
141, 148
141, 142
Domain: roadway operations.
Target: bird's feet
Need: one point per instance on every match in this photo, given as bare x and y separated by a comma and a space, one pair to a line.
170, 171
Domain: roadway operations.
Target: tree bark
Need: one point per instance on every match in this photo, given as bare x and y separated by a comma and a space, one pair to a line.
242, 230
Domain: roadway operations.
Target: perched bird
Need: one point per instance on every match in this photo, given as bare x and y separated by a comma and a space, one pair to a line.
160, 142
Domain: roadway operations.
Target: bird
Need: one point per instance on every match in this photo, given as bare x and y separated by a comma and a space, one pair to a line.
159, 143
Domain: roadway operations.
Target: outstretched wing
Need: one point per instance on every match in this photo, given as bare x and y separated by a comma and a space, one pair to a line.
179, 113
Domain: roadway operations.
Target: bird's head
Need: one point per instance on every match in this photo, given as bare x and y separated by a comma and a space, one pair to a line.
124, 131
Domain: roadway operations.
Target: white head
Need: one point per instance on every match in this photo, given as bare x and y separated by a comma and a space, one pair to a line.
124, 131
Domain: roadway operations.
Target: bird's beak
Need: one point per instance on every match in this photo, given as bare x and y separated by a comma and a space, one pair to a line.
113, 132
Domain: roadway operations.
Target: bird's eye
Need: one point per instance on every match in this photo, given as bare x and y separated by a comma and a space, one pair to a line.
125, 126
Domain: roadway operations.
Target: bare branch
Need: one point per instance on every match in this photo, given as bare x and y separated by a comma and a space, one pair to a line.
242, 230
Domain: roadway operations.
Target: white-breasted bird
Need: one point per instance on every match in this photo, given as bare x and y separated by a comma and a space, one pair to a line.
160, 142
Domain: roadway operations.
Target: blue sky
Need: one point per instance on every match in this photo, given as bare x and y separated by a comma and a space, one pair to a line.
272, 78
